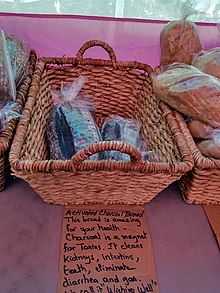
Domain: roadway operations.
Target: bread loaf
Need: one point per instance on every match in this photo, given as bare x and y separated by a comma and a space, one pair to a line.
191, 92
70, 128
60, 139
14, 62
82, 125
209, 148
199, 129
9, 111
117, 128
208, 61
179, 42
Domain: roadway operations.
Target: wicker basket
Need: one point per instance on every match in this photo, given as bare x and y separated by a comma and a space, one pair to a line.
7, 135
122, 88
201, 185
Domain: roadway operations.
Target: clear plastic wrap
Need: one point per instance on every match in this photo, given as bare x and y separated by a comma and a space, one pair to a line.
117, 128
14, 62
71, 125
8, 111
199, 129
210, 148
19, 52
179, 39
208, 61
82, 124
190, 91
69, 90
7, 81
59, 136
206, 10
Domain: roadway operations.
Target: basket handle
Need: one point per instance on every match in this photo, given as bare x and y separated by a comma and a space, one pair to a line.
123, 147
93, 43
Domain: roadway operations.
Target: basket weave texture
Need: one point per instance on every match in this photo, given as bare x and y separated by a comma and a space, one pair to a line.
6, 136
121, 88
201, 185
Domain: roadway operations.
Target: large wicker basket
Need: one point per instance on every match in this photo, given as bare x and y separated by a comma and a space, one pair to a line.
201, 185
122, 88
6, 136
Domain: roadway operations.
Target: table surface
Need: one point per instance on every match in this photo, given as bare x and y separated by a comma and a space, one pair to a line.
185, 249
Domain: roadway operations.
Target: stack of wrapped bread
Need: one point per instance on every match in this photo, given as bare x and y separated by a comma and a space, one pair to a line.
188, 79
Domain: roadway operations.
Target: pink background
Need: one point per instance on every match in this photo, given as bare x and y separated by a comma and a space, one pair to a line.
54, 36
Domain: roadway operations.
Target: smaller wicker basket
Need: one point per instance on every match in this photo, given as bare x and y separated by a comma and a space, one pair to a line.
121, 88
6, 136
201, 185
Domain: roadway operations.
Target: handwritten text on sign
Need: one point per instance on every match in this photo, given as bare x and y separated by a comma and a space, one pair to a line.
106, 250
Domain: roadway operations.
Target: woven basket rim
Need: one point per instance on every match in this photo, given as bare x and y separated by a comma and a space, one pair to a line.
112, 61
55, 166
73, 61
58, 166
6, 135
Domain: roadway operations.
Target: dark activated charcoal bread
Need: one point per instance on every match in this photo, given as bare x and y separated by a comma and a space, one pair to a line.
71, 127
59, 135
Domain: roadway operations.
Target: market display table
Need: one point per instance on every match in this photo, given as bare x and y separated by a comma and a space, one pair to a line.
185, 249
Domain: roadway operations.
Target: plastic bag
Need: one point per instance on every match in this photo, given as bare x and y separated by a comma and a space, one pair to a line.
7, 81
59, 136
199, 129
82, 124
19, 52
71, 125
69, 90
190, 91
117, 128
179, 39
208, 61
9, 111
209, 148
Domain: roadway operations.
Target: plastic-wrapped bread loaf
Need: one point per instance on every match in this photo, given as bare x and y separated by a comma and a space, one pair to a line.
59, 136
7, 80
191, 92
19, 52
71, 125
209, 148
14, 61
70, 128
82, 125
208, 61
117, 128
9, 111
179, 42
199, 129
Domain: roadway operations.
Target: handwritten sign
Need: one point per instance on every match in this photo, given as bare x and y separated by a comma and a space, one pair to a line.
213, 215
106, 249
